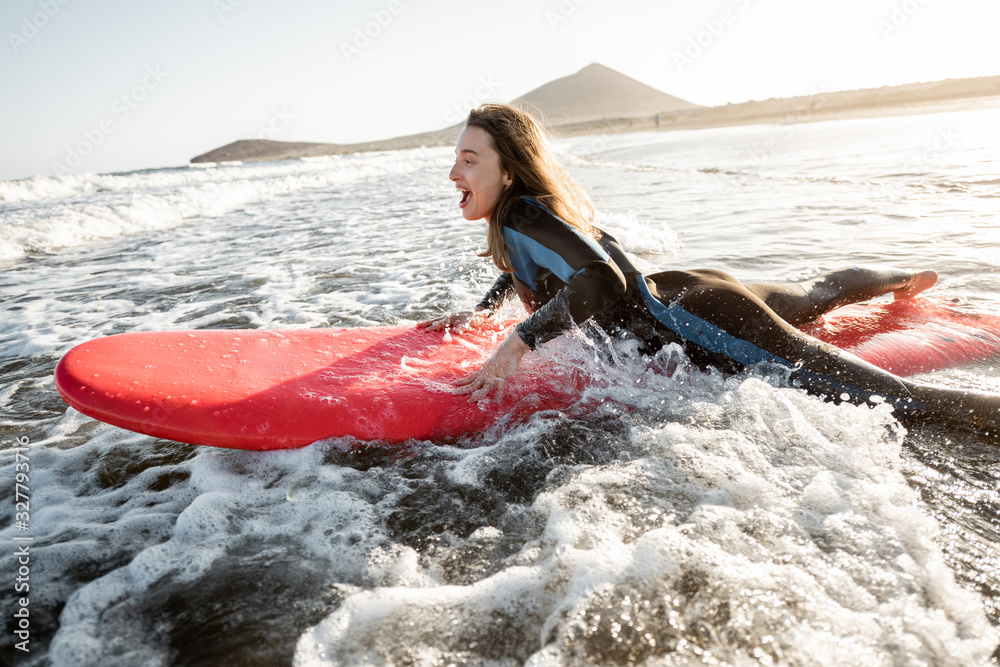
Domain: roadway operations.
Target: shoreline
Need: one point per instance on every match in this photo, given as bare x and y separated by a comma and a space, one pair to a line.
791, 116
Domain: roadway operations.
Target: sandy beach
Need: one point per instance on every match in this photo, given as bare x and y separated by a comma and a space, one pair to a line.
598, 100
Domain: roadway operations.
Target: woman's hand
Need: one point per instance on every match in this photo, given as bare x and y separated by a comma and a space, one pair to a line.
492, 375
460, 321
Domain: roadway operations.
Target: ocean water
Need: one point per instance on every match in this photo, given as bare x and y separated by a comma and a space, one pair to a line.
691, 519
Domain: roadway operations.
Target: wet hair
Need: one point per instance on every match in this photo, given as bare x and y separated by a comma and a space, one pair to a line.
526, 158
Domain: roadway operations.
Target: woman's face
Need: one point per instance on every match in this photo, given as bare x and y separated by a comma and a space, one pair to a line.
477, 174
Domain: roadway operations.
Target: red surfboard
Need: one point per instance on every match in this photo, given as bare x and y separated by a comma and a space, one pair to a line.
910, 336
273, 389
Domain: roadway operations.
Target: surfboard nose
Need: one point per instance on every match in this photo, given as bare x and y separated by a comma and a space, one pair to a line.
70, 380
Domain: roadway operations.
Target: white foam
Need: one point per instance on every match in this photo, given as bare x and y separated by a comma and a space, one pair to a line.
46, 213
742, 554
737, 510
638, 236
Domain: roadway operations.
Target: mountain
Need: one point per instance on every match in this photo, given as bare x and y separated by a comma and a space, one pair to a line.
597, 92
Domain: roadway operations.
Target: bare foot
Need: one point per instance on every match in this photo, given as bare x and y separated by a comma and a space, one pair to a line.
920, 281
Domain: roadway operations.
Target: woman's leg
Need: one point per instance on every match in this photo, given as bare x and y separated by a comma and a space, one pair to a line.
723, 323
803, 302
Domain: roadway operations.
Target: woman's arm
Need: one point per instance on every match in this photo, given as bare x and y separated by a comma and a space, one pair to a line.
589, 292
491, 376
501, 290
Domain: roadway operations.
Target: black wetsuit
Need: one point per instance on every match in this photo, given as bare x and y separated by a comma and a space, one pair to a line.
564, 278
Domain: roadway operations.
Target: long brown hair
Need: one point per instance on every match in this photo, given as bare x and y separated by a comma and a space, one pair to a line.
526, 158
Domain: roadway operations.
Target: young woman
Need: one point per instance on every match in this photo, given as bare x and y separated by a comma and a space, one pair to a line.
566, 271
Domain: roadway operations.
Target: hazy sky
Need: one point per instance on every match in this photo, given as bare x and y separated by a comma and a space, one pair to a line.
111, 85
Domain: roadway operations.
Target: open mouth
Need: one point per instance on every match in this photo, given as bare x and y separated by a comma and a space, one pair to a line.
465, 198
